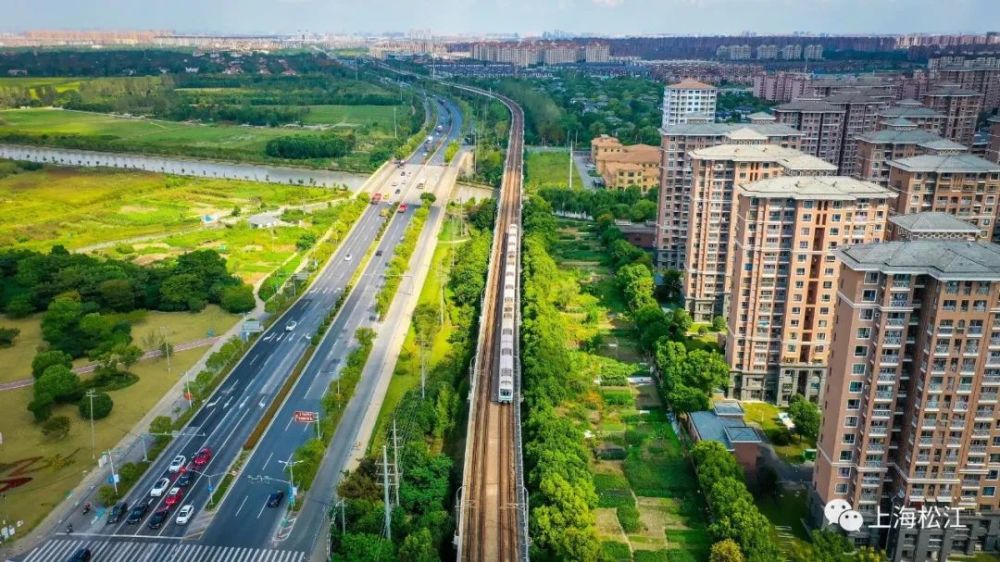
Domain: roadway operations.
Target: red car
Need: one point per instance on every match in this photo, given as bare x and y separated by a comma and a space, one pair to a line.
203, 456
175, 495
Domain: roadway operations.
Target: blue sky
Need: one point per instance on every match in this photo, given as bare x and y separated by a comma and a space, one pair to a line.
522, 16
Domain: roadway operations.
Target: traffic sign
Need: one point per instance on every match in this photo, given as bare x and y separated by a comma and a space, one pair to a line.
302, 416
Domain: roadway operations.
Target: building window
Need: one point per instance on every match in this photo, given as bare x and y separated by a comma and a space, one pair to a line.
864, 333
846, 456
855, 386
858, 369
841, 489
989, 491
844, 472
868, 295
860, 350
851, 421
871, 277
849, 438
853, 404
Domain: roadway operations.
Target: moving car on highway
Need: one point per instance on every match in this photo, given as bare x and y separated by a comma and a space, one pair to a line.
116, 513
202, 457
156, 521
177, 464
274, 500
161, 486
184, 514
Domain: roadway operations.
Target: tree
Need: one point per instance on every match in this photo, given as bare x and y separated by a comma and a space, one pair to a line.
718, 324
726, 551
45, 359
636, 283
238, 299
869, 554
19, 306
830, 546
59, 382
361, 547
7, 336
102, 406
161, 427
418, 547
41, 407
117, 294
56, 428
806, 416
60, 324
178, 292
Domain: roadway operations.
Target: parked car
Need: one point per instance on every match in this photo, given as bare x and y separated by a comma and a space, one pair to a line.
184, 514
177, 464
161, 486
202, 457
174, 496
116, 513
156, 521
274, 500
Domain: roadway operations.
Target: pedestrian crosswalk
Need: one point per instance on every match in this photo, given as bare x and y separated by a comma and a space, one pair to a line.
116, 550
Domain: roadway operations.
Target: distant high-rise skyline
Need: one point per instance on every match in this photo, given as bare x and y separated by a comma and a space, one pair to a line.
614, 17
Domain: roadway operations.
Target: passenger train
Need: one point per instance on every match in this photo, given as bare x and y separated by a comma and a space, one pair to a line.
508, 323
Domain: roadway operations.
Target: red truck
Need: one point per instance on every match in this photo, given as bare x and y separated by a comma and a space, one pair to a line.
376, 198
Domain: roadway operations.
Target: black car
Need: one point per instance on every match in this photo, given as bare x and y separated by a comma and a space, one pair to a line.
137, 512
81, 555
274, 500
117, 512
378, 252
161, 515
185, 479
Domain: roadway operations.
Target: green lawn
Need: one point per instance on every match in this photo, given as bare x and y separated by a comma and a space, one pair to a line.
549, 169
766, 415
80, 207
378, 116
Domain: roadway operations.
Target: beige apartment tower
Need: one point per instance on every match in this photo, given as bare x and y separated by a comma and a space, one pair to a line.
960, 108
784, 279
716, 173
962, 185
910, 406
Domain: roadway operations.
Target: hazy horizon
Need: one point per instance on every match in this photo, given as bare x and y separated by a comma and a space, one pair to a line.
524, 17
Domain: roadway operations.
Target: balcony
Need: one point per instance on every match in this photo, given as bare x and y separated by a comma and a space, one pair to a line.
881, 413
878, 431
991, 379
984, 414
890, 377
990, 397
980, 449
961, 407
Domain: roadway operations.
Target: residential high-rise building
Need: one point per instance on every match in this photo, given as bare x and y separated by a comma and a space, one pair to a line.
982, 78
860, 117
993, 151
784, 279
876, 86
910, 406
821, 123
780, 86
931, 226
899, 139
767, 52
791, 52
559, 54
689, 101
716, 172
961, 109
597, 53
678, 141
813, 52
914, 112
962, 185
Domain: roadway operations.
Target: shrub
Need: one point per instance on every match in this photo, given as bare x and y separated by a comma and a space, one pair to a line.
614, 551
238, 299
19, 306
628, 516
56, 428
652, 555
781, 436
7, 336
45, 359
106, 495
617, 397
102, 406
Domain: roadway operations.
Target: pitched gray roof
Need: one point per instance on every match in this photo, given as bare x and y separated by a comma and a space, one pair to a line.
827, 188
920, 137
950, 260
945, 163
810, 105
909, 111
952, 90
719, 129
933, 222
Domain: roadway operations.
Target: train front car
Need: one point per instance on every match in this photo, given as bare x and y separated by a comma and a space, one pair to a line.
508, 323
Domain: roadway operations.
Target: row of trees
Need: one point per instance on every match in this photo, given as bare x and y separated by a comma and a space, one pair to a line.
301, 147
563, 498
627, 204
30, 281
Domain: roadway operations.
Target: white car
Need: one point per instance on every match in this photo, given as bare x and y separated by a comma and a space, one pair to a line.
177, 464
291, 326
184, 514
347, 257
161, 486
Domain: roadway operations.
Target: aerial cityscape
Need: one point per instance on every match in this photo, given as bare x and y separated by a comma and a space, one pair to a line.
500, 281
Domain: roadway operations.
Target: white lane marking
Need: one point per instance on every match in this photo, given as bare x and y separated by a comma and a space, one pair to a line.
241, 505
263, 506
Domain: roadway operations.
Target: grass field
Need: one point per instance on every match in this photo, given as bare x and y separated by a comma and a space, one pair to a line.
549, 169
81, 208
53, 468
377, 116
766, 415
142, 135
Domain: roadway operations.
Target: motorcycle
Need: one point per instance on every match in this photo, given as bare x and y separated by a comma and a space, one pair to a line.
86, 508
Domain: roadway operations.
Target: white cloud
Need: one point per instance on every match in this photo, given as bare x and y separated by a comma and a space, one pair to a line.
609, 3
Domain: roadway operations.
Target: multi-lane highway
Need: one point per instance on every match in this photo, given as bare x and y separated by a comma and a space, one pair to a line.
243, 519
227, 419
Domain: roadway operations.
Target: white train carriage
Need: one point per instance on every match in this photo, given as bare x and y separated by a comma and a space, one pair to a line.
505, 394
508, 332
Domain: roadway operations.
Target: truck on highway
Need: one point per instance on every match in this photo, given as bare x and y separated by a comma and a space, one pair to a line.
402, 208
376, 198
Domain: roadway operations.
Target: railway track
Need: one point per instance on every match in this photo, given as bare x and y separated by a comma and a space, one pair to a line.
492, 515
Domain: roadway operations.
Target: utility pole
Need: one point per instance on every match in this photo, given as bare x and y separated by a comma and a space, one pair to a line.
395, 132
111, 459
395, 459
93, 443
571, 164
385, 492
